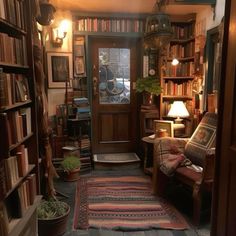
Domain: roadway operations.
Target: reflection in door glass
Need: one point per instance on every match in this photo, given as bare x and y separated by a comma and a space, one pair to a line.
114, 75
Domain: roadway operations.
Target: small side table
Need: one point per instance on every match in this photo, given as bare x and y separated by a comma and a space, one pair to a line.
148, 153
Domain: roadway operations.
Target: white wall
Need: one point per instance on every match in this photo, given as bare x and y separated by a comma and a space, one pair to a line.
206, 18
57, 96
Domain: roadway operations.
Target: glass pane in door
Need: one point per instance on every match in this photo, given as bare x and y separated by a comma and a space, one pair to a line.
114, 75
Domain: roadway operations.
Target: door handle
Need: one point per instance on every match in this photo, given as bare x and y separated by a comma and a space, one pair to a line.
95, 85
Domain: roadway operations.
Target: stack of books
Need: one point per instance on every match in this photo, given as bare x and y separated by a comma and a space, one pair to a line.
83, 108
85, 154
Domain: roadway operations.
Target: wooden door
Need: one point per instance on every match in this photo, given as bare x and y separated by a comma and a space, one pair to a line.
114, 109
224, 198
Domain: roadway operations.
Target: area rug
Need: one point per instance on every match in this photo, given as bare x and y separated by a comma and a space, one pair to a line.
123, 203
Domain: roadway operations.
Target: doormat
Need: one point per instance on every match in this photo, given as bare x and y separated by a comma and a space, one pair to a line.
123, 203
116, 158
116, 161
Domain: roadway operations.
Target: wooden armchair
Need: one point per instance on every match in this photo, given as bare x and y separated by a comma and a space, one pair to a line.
190, 161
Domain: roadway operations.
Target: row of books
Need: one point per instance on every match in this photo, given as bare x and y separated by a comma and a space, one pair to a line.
12, 168
108, 25
12, 11
13, 50
177, 89
183, 31
16, 205
13, 88
182, 69
181, 50
15, 125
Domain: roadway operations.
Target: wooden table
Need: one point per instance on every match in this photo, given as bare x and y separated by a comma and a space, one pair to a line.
148, 153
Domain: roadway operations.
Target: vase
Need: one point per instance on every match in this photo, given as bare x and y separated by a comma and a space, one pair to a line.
72, 175
148, 99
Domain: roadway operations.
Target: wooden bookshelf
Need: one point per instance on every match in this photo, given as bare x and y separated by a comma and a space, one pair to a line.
19, 176
177, 81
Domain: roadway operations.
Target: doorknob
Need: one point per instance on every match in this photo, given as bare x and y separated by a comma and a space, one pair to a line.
95, 84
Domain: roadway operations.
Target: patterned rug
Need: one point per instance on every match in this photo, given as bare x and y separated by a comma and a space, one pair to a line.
123, 203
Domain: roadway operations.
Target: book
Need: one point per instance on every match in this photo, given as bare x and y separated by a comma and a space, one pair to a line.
3, 89
4, 222
32, 188
2, 9
3, 180
22, 88
6, 133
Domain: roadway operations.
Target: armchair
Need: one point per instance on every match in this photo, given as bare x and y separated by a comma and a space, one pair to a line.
190, 161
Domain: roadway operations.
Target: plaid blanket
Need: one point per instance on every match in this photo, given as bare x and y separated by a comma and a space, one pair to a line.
169, 152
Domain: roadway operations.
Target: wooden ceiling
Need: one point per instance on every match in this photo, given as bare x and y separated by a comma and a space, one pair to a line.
123, 6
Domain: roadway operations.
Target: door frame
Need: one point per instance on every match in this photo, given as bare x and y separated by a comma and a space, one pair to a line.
136, 38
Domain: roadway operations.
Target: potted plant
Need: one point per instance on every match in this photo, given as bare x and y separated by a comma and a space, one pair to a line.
70, 167
149, 86
52, 217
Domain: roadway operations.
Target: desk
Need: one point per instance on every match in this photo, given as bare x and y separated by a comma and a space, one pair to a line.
148, 153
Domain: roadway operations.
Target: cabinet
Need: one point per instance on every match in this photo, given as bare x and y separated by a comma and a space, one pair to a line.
178, 80
18, 132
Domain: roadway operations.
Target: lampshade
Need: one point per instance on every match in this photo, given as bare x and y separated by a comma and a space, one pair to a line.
158, 31
178, 110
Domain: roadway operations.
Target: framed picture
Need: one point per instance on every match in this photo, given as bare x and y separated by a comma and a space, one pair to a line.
165, 127
59, 69
79, 65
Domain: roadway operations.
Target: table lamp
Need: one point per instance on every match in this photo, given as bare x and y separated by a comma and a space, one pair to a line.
178, 111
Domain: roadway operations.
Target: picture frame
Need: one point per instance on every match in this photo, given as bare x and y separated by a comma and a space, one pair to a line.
59, 69
79, 66
167, 125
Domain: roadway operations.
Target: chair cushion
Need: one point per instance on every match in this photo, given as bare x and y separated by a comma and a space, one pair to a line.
170, 154
202, 139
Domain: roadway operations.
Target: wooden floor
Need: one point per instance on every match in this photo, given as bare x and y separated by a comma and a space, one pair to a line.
68, 189
100, 232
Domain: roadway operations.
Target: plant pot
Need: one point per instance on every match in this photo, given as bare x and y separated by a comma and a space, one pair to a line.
148, 99
53, 227
72, 175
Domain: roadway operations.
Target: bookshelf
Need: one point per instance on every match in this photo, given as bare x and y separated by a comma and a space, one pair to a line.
79, 132
108, 23
177, 80
19, 164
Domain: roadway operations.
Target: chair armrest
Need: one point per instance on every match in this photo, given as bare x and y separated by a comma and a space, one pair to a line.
209, 166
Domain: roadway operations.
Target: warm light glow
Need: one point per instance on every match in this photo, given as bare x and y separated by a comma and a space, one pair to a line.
175, 62
64, 25
59, 33
178, 110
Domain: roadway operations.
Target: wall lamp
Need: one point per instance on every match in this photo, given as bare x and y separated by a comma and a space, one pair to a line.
59, 33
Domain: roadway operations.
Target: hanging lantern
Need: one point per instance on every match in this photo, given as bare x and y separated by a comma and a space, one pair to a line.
47, 11
158, 31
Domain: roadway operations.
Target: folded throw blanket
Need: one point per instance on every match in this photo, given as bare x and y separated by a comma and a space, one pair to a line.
172, 160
